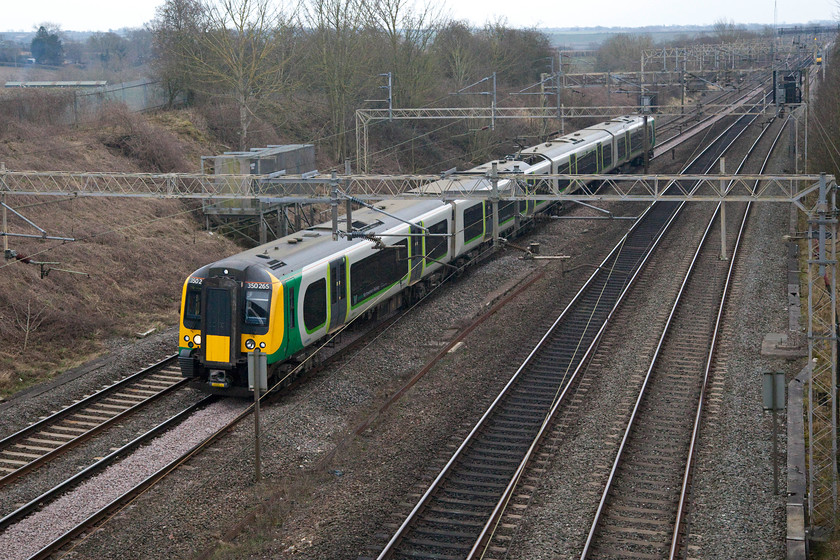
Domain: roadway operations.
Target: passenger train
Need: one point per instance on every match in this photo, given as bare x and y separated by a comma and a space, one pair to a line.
286, 296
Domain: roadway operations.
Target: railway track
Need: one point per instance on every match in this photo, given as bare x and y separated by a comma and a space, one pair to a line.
641, 511
695, 117
457, 514
43, 441
55, 519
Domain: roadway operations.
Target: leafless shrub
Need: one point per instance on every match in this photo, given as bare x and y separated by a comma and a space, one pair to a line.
132, 136
37, 106
28, 319
222, 120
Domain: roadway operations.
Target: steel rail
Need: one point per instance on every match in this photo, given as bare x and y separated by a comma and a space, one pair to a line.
642, 391
713, 347
138, 489
670, 143
78, 407
448, 468
508, 492
491, 409
505, 498
55, 492
87, 400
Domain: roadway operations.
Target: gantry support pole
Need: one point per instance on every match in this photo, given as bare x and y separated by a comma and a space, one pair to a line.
362, 121
5, 225
723, 253
822, 355
494, 200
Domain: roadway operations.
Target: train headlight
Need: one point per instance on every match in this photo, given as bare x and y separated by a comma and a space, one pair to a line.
197, 339
250, 344
262, 344
186, 338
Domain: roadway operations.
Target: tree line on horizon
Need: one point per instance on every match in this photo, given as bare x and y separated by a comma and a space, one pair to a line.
260, 62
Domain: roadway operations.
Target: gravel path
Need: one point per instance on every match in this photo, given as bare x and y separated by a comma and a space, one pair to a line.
56, 471
23, 539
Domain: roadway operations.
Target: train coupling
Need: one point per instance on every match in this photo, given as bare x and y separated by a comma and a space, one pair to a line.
219, 379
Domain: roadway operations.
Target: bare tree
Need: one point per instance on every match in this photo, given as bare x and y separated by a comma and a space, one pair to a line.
238, 50
339, 60
458, 52
242, 55
517, 55
622, 52
175, 29
28, 320
726, 31
109, 48
409, 33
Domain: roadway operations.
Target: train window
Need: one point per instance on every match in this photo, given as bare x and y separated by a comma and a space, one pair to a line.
622, 148
473, 222
380, 270
218, 320
315, 305
437, 246
292, 308
587, 164
192, 307
636, 140
257, 306
506, 210
607, 155
563, 169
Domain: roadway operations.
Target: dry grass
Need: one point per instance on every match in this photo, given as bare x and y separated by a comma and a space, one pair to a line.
132, 136
135, 253
222, 120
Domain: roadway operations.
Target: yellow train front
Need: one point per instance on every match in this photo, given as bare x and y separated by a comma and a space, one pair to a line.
228, 309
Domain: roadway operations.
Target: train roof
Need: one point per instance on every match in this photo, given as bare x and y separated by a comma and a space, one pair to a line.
289, 254
583, 139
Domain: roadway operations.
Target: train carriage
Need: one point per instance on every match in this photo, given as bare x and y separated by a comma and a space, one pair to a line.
288, 295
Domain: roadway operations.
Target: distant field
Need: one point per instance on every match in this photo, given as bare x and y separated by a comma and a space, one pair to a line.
584, 40
20, 74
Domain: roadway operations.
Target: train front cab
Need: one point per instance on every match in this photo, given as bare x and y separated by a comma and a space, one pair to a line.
222, 319
220, 330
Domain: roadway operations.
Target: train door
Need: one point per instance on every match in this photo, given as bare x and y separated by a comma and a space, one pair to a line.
219, 321
338, 293
563, 169
415, 257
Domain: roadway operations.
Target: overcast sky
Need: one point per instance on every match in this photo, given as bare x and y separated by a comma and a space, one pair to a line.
98, 15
